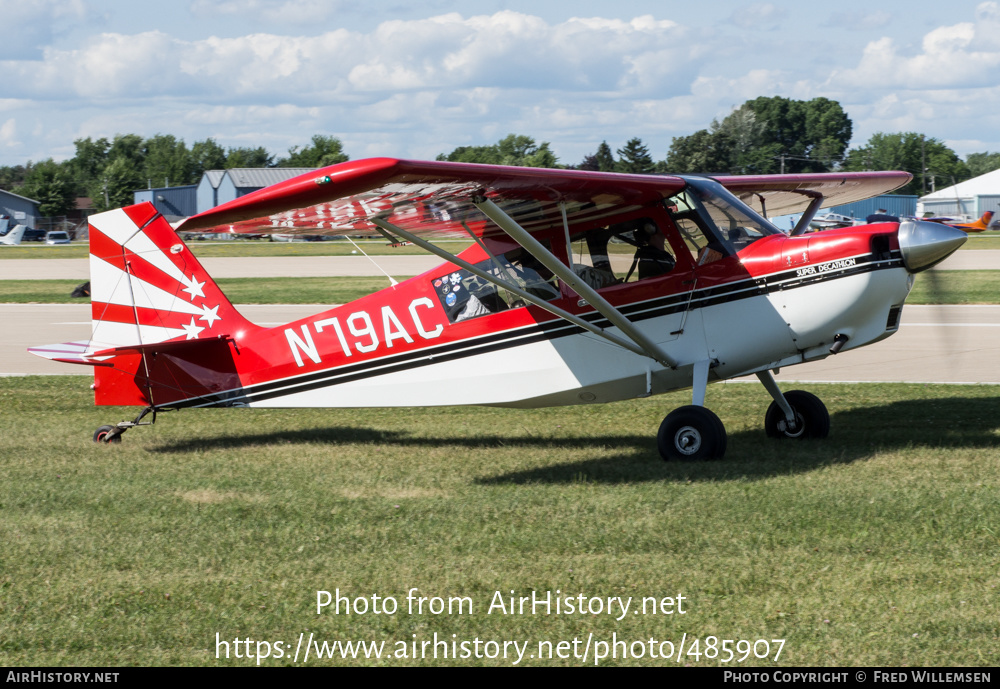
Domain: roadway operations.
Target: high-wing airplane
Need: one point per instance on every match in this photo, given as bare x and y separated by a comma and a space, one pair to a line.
980, 225
10, 236
531, 315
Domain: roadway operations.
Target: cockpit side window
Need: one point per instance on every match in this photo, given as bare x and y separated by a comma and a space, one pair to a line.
724, 217
687, 213
624, 252
464, 295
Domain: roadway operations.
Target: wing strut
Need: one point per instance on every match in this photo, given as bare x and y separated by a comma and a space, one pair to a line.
496, 280
564, 273
808, 213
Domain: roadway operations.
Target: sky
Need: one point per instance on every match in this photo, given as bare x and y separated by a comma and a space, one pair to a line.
418, 78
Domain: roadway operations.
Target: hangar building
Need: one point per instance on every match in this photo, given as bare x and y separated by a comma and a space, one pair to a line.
215, 188
21, 210
970, 198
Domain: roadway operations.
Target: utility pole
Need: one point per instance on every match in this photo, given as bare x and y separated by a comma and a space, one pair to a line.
923, 167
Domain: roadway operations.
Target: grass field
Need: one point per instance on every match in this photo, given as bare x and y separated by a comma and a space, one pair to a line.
239, 290
877, 546
939, 287
373, 247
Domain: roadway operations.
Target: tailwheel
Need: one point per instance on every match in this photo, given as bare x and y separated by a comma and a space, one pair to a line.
812, 420
108, 434
691, 433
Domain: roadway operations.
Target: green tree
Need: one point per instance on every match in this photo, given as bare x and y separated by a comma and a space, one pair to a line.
51, 184
634, 157
325, 150
701, 152
11, 176
91, 157
981, 163
167, 161
115, 185
129, 147
931, 163
514, 149
248, 157
602, 160
605, 158
485, 155
811, 135
767, 135
207, 155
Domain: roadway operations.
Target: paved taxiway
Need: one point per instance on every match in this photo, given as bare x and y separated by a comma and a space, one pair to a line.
959, 344
947, 344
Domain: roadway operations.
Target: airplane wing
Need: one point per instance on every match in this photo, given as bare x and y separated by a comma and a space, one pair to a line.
436, 196
787, 194
431, 196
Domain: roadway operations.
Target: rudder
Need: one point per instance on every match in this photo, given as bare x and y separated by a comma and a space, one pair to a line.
147, 286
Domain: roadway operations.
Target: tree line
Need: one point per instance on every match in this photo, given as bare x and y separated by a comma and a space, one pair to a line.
765, 135
109, 171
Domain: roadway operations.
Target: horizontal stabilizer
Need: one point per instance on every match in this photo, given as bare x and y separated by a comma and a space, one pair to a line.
175, 347
70, 353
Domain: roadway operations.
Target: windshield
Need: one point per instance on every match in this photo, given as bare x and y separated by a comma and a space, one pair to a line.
736, 224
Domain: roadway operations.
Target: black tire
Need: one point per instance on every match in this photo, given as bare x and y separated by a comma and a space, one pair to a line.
812, 418
691, 433
101, 435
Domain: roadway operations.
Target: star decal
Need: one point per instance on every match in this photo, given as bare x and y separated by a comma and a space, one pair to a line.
192, 330
194, 288
210, 315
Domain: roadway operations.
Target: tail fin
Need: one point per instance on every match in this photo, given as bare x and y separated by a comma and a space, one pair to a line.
980, 225
13, 237
147, 287
163, 331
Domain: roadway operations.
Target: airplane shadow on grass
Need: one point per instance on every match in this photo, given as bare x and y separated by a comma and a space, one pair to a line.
857, 434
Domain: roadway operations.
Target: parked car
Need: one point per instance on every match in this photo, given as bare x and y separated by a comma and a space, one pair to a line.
33, 235
56, 237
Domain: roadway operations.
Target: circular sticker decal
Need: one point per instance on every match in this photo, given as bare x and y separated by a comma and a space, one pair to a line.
451, 299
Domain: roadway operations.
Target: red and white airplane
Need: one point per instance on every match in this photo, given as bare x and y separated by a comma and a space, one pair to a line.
533, 314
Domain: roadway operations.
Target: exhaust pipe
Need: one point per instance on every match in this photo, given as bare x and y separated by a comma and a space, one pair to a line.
924, 244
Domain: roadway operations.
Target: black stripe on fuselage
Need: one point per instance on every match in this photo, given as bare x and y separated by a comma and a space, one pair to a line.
549, 330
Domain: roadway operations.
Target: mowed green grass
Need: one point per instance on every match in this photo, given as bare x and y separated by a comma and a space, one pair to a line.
209, 249
931, 287
877, 546
335, 290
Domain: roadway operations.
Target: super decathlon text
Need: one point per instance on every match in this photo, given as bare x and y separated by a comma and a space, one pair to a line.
362, 333
827, 267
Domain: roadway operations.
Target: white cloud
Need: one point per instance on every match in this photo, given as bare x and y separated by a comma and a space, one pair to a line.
503, 50
762, 16
417, 87
859, 21
282, 12
8, 133
29, 26
964, 55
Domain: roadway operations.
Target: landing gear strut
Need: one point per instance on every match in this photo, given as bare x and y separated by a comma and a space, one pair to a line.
113, 434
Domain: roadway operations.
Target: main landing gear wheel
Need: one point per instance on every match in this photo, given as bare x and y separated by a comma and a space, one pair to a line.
103, 435
812, 420
691, 433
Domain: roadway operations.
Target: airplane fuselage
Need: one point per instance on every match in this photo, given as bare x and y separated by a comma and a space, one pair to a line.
779, 302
